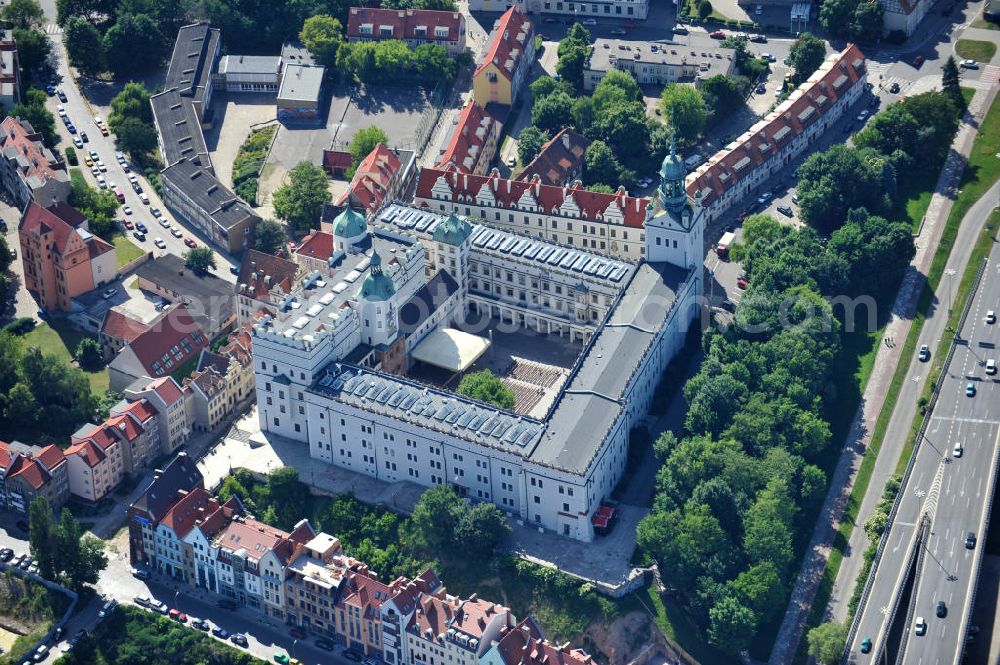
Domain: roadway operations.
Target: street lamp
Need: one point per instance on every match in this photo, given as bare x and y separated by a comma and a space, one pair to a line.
176, 597
294, 642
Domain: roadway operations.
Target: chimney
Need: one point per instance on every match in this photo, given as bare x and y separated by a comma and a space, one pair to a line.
565, 139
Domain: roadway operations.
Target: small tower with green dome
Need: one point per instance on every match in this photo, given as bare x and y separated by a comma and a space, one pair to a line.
376, 305
349, 228
449, 249
675, 223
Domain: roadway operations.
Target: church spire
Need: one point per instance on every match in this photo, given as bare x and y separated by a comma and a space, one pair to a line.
671, 193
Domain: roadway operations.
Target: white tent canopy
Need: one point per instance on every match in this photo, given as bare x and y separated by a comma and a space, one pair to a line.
450, 349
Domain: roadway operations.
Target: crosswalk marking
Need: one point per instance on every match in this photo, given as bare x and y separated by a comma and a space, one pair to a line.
53, 29
991, 74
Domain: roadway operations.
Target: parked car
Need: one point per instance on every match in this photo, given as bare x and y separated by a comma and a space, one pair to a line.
127, 209
350, 654
718, 34
239, 639
991, 366
71, 128
759, 39
107, 608
61, 95
970, 541
141, 227
108, 293
589, 21
918, 60
6, 554
894, 87
77, 142
742, 283
201, 624
177, 615
176, 232
159, 243
220, 632
991, 317
325, 644
680, 30
141, 601
143, 197
761, 89
84, 137
189, 241
40, 654
969, 64
785, 210
140, 573
61, 110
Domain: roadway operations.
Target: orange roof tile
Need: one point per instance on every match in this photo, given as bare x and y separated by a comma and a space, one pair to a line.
510, 40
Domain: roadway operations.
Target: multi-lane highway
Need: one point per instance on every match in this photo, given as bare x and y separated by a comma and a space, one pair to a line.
950, 482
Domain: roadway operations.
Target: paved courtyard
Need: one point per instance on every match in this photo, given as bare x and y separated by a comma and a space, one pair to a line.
236, 115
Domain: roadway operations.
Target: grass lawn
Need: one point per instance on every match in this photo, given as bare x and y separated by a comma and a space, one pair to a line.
186, 369
125, 250
974, 49
915, 196
980, 22
60, 339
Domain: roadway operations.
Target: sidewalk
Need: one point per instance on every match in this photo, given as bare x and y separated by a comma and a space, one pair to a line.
811, 573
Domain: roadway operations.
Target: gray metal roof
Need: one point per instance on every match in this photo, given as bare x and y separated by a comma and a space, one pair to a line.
301, 83
190, 69
250, 64
179, 128
712, 59
207, 192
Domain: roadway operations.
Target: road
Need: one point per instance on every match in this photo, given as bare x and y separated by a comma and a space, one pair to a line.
953, 489
79, 111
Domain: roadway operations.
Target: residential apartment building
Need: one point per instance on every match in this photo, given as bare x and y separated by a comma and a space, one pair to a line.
263, 283
96, 463
473, 141
413, 26
223, 381
173, 553
312, 585
772, 143
651, 63
10, 71
181, 474
172, 403
28, 170
623, 9
29, 472
60, 260
560, 161
170, 341
381, 176
209, 300
610, 224
508, 61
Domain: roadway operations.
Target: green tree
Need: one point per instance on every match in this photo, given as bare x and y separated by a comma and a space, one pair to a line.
22, 411
131, 102
300, 201
827, 642
723, 94
433, 63
684, 108
600, 165
33, 110
136, 137
364, 141
479, 530
806, 55
866, 23
836, 16
949, 84
574, 50
89, 355
199, 260
322, 35
289, 496
486, 387
617, 87
42, 537
687, 543
33, 50
760, 588
552, 113
731, 625
625, 129
435, 517
545, 85
22, 14
530, 143
269, 236
133, 44
84, 46
704, 9
583, 113
832, 181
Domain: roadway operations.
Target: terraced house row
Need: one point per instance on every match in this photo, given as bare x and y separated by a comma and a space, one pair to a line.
303, 578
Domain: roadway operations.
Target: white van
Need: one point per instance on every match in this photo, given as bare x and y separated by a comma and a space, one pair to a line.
991, 366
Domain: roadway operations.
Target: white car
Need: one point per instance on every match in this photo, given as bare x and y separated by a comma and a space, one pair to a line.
957, 452
98, 122
61, 111
141, 601
991, 317
101, 182
163, 222
132, 178
159, 243
77, 142
120, 156
176, 232
144, 198
991, 366
862, 116
969, 64
589, 21
101, 165
920, 626
127, 209
96, 171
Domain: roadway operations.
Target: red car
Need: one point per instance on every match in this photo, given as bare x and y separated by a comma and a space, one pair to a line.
104, 130
742, 283
177, 615
128, 224
628, 25
718, 34
918, 60
189, 241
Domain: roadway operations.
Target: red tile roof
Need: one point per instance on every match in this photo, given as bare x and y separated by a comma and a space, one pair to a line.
27, 147
51, 456
141, 410
468, 141
367, 594
432, 617
474, 615
122, 327
261, 272
37, 469
407, 24
37, 220
593, 205
88, 451
337, 159
558, 159
175, 335
193, 506
167, 389
317, 245
125, 426
780, 127
510, 40
371, 181
32, 472
255, 537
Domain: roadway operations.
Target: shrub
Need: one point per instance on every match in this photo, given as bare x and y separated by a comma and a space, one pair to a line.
71, 157
20, 326
704, 9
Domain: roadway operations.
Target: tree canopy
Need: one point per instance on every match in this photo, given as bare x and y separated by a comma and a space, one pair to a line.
269, 236
530, 143
300, 201
806, 55
62, 551
684, 108
322, 35
33, 110
486, 387
364, 141
199, 260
